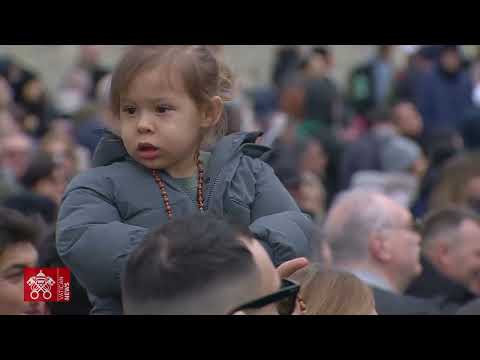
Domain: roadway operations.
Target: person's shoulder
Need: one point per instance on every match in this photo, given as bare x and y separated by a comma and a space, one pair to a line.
255, 151
399, 304
97, 177
240, 145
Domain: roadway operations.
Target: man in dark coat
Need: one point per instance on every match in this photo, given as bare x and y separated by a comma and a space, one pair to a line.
373, 237
447, 92
451, 256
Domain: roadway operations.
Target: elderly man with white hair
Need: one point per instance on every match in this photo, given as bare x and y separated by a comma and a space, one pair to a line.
374, 237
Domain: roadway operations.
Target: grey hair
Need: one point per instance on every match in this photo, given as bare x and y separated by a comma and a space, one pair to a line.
354, 217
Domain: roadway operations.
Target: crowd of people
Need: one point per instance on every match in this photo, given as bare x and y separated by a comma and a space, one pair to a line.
166, 187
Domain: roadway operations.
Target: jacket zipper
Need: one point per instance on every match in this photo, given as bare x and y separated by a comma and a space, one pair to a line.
210, 192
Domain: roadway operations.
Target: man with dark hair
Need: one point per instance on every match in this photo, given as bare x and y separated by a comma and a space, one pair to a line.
287, 60
322, 101
200, 265
451, 256
19, 237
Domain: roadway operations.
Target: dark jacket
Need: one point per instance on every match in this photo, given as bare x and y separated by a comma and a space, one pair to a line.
444, 99
106, 211
388, 303
321, 97
431, 283
363, 154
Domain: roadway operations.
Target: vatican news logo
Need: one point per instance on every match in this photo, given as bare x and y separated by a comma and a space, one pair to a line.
46, 284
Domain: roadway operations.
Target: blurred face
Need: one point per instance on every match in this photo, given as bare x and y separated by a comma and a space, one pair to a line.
386, 51
16, 154
451, 61
160, 124
317, 66
5, 93
8, 125
61, 153
314, 159
78, 80
408, 119
311, 195
402, 247
90, 54
419, 167
462, 262
12, 262
54, 186
472, 194
33, 90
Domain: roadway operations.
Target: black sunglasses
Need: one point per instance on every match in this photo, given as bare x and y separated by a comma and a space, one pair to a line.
284, 299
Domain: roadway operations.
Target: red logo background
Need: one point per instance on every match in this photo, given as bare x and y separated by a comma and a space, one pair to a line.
46, 284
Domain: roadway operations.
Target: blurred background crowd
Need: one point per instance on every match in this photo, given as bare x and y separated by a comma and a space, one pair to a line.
410, 130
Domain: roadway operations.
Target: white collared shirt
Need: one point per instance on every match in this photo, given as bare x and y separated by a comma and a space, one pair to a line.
373, 280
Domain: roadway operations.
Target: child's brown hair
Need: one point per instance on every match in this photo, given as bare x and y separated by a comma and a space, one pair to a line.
330, 292
202, 72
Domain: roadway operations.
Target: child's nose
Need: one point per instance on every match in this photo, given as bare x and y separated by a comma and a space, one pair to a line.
144, 124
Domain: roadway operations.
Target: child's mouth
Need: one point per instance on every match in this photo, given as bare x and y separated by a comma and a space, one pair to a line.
147, 151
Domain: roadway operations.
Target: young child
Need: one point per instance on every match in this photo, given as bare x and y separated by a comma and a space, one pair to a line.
168, 101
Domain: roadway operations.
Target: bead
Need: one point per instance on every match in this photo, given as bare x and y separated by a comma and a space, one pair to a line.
164, 193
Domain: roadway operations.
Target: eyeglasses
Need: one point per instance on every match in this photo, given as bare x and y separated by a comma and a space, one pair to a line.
284, 299
416, 227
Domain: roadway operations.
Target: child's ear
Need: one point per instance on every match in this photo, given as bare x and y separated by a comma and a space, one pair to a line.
212, 112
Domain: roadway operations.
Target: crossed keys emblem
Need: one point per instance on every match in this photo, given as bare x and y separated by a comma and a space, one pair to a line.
40, 283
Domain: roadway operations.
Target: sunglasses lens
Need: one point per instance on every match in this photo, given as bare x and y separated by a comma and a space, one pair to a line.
287, 306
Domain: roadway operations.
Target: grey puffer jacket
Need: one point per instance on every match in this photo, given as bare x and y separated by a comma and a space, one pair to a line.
107, 210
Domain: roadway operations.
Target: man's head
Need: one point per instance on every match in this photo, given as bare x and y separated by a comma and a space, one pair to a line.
407, 119
18, 240
368, 231
403, 155
450, 58
90, 54
45, 177
451, 241
385, 52
16, 153
197, 265
319, 62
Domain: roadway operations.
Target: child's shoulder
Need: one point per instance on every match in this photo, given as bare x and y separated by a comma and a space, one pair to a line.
100, 177
241, 144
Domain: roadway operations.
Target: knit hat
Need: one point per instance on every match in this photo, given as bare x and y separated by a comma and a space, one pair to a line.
399, 154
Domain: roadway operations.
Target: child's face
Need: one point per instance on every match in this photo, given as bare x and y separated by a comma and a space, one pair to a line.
160, 124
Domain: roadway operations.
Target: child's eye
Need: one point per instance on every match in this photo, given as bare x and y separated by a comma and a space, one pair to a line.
130, 110
162, 109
